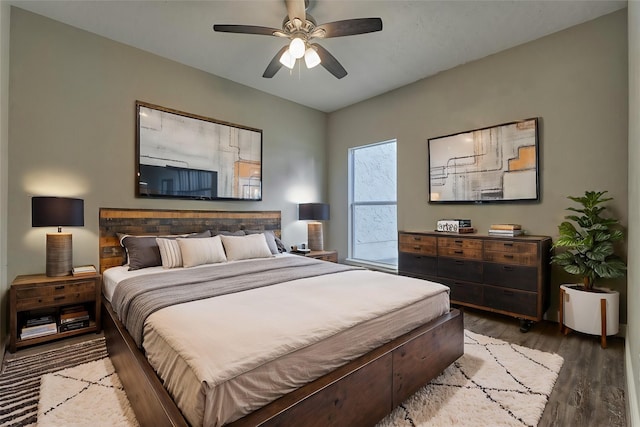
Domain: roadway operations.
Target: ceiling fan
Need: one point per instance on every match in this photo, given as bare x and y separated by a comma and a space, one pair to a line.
301, 29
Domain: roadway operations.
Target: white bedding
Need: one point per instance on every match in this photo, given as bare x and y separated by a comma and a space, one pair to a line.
223, 357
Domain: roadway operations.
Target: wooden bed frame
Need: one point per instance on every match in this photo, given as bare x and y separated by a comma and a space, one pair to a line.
360, 393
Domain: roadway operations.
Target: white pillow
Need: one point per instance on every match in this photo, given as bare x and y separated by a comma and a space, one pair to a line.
246, 247
208, 250
169, 252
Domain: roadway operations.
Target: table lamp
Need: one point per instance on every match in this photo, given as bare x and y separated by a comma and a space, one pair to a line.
314, 212
58, 212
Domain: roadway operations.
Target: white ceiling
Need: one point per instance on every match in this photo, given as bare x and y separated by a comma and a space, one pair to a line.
419, 38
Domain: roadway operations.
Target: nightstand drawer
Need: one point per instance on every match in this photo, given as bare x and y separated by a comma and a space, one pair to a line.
54, 300
55, 290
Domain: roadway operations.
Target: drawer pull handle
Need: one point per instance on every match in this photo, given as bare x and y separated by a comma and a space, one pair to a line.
508, 244
507, 268
58, 298
59, 288
416, 238
458, 252
508, 256
416, 247
459, 242
460, 262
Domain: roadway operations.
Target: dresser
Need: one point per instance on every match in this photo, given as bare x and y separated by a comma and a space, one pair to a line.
507, 275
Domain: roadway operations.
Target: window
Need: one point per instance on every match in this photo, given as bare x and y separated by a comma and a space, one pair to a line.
373, 236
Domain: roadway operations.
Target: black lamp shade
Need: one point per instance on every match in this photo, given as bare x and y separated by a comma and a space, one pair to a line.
313, 211
57, 212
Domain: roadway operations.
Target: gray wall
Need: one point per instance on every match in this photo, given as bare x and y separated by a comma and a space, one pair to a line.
574, 80
5, 11
72, 133
632, 347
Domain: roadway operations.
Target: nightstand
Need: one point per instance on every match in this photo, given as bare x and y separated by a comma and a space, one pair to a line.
331, 256
37, 295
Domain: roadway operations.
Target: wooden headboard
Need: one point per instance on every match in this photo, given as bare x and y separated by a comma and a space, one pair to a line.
160, 221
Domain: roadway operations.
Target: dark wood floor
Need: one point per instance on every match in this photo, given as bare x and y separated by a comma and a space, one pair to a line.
590, 390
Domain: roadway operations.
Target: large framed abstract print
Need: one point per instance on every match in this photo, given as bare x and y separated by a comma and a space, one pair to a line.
492, 164
185, 156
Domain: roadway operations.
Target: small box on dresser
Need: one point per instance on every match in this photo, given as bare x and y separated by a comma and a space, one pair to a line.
37, 294
507, 275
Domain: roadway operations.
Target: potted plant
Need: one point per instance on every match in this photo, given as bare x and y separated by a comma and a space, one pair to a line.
588, 252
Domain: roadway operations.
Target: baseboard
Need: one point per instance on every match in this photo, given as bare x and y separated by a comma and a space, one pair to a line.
632, 396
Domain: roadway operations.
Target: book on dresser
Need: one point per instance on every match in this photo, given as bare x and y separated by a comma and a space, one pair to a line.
507, 230
506, 233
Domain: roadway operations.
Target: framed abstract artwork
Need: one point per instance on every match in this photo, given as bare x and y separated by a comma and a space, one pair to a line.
185, 156
492, 164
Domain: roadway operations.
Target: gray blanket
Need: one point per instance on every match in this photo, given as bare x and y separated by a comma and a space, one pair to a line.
138, 297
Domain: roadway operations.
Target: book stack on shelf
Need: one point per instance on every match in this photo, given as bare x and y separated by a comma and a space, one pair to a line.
507, 230
84, 270
38, 327
72, 318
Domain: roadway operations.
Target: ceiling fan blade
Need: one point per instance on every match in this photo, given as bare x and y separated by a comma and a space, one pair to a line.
245, 29
351, 27
296, 9
275, 64
329, 62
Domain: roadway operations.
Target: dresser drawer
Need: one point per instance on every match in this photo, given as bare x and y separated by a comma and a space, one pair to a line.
511, 276
513, 301
519, 253
460, 248
460, 269
415, 264
464, 292
418, 244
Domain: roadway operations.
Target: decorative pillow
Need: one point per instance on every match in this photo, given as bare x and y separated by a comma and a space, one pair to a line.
228, 233
246, 247
142, 251
201, 251
169, 252
201, 235
272, 240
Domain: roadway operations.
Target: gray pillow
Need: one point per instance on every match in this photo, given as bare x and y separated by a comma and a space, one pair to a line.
227, 233
142, 251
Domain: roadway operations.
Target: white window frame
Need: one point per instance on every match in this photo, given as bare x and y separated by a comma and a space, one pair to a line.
351, 204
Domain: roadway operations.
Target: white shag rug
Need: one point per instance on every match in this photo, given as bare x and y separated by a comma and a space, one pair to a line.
494, 383
86, 395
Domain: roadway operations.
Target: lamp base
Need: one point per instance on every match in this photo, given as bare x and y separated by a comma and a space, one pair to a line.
59, 254
314, 236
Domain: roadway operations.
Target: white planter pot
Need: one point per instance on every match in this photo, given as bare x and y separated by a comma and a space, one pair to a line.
581, 310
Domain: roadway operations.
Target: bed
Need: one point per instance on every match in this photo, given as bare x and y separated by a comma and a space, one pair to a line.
395, 347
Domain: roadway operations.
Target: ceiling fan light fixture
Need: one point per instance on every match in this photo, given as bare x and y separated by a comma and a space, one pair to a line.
287, 60
297, 48
311, 58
